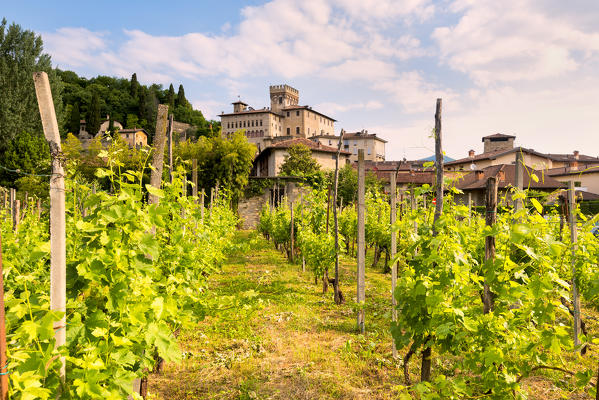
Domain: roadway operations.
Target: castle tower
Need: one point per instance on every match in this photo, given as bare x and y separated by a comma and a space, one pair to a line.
282, 96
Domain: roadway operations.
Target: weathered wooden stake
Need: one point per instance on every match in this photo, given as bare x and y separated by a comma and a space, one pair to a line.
57, 209
292, 232
158, 159
202, 205
573, 242
194, 178
211, 203
3, 363
170, 148
361, 256
328, 207
519, 178
16, 215
302, 218
393, 180
490, 219
338, 299
427, 352
39, 208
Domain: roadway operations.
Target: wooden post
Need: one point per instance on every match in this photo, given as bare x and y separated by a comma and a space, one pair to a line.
16, 215
194, 178
57, 210
338, 299
13, 197
439, 166
573, 242
3, 363
414, 206
361, 256
302, 218
469, 207
328, 207
170, 148
211, 203
158, 159
292, 232
519, 178
5, 196
393, 181
39, 208
490, 219
427, 352
202, 205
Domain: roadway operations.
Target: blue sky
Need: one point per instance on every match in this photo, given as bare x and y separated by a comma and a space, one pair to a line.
521, 67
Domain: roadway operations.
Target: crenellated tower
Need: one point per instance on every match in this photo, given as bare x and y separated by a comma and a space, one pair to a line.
282, 96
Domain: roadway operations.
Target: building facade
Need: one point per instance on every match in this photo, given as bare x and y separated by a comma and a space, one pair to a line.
285, 117
373, 146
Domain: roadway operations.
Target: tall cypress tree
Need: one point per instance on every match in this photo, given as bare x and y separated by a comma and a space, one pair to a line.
181, 100
74, 123
93, 115
170, 99
134, 86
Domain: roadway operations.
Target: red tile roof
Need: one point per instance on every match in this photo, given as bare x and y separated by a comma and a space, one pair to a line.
478, 179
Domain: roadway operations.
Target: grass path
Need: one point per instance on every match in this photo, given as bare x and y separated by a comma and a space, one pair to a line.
274, 335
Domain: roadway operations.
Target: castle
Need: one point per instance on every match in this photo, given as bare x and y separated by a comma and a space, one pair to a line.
284, 119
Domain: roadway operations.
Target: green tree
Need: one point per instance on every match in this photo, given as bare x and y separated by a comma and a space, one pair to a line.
134, 86
181, 100
20, 56
299, 162
28, 153
75, 119
93, 115
170, 99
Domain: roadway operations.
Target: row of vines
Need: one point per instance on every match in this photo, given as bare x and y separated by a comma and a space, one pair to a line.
136, 275
475, 353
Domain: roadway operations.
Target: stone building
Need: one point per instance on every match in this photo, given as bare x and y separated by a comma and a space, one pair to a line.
269, 161
499, 149
373, 146
284, 117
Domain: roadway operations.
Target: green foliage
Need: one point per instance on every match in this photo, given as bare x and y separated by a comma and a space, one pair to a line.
137, 273
28, 153
74, 120
93, 120
170, 98
20, 56
227, 162
299, 162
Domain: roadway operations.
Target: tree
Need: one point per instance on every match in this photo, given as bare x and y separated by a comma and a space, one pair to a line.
181, 100
134, 86
170, 99
299, 162
75, 120
20, 56
28, 153
93, 115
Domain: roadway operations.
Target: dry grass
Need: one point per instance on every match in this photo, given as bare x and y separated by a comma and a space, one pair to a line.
281, 338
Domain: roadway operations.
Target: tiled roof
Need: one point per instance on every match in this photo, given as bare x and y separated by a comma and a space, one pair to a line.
586, 169
264, 110
285, 144
498, 136
403, 177
492, 155
478, 179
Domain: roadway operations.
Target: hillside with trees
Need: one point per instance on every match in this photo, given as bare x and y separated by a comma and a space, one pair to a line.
126, 101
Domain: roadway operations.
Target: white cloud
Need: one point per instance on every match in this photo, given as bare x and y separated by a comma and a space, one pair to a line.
74, 46
331, 108
209, 108
511, 41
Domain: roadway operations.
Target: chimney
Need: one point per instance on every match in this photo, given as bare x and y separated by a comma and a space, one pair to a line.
576, 153
574, 165
479, 175
471, 153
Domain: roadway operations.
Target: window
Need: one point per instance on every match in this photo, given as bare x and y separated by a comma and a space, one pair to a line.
330, 143
260, 122
288, 131
244, 124
287, 113
369, 151
297, 113
252, 123
355, 151
297, 130
577, 184
280, 100
346, 142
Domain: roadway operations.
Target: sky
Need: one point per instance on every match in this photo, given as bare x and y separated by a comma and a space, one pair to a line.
528, 68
